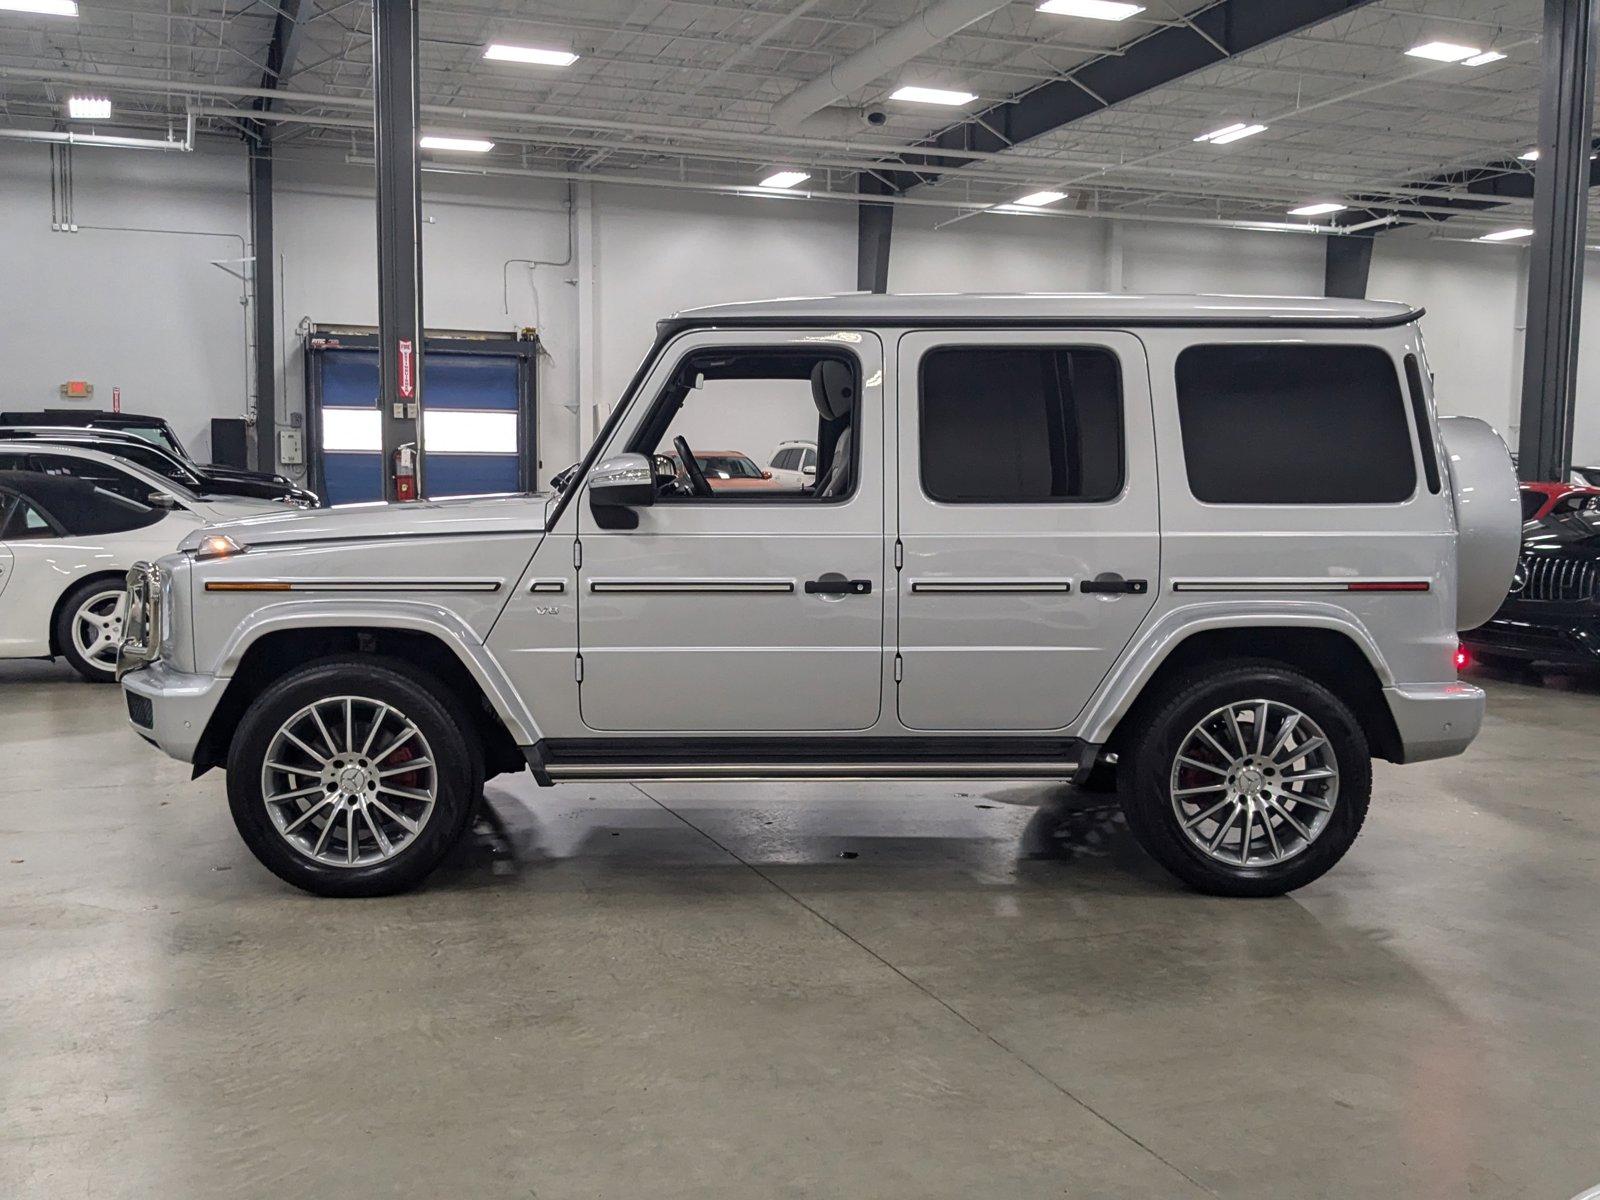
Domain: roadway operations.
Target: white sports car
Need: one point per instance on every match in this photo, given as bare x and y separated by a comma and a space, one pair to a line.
66, 543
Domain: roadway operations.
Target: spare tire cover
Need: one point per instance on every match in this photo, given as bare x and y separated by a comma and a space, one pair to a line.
1488, 517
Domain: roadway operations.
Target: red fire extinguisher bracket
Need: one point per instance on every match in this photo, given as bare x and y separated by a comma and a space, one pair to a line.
405, 472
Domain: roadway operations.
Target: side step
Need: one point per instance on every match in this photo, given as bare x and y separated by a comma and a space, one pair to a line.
824, 758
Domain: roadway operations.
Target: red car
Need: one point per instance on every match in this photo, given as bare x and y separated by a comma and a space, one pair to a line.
1538, 499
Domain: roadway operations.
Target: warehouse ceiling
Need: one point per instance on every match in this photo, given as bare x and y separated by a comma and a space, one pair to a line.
721, 94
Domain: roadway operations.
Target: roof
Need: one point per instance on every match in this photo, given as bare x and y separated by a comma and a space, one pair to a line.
1053, 308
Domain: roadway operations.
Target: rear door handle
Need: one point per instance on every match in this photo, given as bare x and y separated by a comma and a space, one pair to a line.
1111, 582
833, 584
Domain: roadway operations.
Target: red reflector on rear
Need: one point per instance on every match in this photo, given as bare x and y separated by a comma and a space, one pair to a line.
1400, 585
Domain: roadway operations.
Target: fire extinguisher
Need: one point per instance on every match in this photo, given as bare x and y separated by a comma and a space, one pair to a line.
405, 472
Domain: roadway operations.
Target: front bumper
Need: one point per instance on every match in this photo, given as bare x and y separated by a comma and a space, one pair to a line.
1562, 638
1435, 720
170, 709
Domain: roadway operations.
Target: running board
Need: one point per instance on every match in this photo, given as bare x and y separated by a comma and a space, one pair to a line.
752, 759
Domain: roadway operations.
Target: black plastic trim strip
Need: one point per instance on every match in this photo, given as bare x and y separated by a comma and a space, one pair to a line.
692, 751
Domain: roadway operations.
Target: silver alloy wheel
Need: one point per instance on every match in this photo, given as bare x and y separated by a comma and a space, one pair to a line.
349, 781
1254, 783
97, 628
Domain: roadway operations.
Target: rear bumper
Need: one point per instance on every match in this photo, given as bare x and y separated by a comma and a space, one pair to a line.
1435, 720
170, 709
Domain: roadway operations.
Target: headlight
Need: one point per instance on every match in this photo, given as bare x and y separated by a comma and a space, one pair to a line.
204, 545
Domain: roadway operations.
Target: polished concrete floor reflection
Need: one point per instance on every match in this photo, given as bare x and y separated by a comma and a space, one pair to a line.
786, 991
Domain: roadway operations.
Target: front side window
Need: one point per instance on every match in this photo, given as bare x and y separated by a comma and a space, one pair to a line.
1294, 424
1020, 424
724, 406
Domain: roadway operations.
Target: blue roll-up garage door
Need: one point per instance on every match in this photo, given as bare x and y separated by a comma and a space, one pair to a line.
477, 426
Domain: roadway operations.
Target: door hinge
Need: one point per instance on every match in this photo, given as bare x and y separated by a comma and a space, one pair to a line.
577, 668
577, 554
899, 668
899, 554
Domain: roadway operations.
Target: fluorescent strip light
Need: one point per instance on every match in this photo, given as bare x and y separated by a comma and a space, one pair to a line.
1317, 210
1095, 10
927, 95
48, 8
1223, 137
1506, 235
784, 179
1445, 52
1529, 156
1038, 199
1479, 60
1216, 133
536, 55
89, 108
468, 145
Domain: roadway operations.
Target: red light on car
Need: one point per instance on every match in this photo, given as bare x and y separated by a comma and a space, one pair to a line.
1462, 658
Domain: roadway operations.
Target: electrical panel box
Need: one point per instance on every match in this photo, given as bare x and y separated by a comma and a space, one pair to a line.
291, 447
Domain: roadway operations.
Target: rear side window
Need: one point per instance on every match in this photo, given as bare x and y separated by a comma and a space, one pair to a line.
1294, 424
1021, 424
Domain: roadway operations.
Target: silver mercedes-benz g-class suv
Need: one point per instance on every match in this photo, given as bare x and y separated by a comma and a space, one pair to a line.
1213, 551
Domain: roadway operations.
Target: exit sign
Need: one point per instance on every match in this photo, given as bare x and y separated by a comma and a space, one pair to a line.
77, 389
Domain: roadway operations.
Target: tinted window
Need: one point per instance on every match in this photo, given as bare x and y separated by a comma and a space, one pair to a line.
1016, 424
1532, 502
25, 523
1276, 424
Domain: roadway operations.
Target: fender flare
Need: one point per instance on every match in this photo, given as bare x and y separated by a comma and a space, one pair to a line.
1154, 644
430, 619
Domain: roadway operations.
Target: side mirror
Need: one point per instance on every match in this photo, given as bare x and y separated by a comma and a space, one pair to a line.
810, 471
161, 500
617, 484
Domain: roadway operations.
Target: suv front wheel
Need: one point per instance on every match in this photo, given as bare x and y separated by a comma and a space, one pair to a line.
348, 778
1252, 780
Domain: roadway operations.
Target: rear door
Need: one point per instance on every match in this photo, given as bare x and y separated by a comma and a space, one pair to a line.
1028, 523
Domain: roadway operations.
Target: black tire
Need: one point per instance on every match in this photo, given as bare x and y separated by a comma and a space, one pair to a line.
88, 592
457, 760
1146, 772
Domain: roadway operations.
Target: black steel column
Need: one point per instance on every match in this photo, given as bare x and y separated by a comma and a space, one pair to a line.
1349, 262
1560, 216
395, 99
874, 224
263, 300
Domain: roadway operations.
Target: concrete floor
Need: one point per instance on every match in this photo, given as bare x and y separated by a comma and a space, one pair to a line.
785, 991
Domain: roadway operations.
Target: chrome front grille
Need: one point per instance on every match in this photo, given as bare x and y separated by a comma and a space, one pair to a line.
141, 628
1547, 577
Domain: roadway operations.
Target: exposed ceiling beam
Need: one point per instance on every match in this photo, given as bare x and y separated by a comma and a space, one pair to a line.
1159, 58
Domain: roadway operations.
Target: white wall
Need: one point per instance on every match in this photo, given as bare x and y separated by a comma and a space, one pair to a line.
133, 299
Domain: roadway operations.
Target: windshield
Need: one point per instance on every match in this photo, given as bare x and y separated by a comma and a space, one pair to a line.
158, 434
728, 466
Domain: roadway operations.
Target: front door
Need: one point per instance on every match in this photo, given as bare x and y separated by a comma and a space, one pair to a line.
741, 604
1028, 517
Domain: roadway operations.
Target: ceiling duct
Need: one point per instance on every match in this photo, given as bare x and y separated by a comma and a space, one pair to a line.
890, 52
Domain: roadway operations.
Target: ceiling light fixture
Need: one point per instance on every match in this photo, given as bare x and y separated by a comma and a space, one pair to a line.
467, 145
1230, 133
1529, 156
1318, 210
1094, 10
1506, 235
89, 108
45, 8
1445, 52
536, 55
1039, 199
1479, 60
927, 95
784, 179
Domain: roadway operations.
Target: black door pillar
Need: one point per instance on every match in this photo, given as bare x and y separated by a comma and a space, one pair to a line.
399, 180
1560, 215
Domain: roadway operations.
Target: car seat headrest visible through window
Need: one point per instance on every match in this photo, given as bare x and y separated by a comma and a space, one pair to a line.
833, 388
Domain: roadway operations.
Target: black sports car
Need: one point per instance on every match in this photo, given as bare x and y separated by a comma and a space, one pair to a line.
1552, 613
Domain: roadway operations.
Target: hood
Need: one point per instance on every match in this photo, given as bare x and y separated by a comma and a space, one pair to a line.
1566, 532
214, 508
365, 522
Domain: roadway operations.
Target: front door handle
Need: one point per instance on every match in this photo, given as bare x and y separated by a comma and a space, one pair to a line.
1111, 582
834, 584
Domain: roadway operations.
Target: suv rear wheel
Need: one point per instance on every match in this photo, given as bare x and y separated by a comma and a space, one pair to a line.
348, 778
1250, 781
